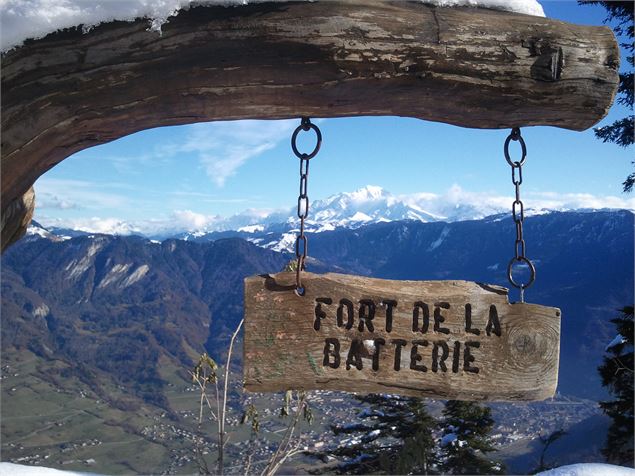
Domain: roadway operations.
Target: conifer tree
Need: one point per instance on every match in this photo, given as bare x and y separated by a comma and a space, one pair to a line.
466, 439
394, 436
617, 374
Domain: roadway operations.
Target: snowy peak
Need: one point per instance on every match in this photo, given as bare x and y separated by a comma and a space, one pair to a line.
365, 205
346, 200
35, 230
370, 192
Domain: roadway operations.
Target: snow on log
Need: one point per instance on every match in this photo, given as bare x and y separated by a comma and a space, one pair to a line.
469, 67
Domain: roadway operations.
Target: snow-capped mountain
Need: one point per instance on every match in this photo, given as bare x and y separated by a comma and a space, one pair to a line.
276, 229
369, 204
35, 230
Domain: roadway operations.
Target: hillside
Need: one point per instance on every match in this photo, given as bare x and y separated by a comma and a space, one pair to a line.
96, 327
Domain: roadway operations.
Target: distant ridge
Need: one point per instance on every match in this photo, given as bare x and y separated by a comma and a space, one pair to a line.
350, 210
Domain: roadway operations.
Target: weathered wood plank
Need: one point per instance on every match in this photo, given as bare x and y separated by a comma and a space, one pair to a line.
470, 67
492, 350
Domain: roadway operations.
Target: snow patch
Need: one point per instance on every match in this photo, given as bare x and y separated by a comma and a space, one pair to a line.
518, 6
325, 227
21, 20
359, 216
13, 469
589, 469
286, 243
37, 231
617, 340
251, 228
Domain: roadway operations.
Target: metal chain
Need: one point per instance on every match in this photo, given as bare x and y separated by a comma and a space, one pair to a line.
301, 241
518, 214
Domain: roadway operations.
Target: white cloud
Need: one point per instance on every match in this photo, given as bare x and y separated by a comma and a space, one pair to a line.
462, 204
67, 194
223, 147
457, 203
51, 201
189, 220
178, 221
220, 147
571, 201
111, 226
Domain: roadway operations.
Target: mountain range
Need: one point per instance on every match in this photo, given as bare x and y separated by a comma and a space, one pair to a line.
370, 204
101, 282
101, 329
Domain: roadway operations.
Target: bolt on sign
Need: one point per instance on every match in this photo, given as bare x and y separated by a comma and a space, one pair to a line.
439, 339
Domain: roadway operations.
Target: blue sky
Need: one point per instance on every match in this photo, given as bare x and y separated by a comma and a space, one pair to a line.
186, 173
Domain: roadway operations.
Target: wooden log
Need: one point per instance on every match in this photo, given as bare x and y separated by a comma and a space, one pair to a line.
439, 339
16, 218
470, 67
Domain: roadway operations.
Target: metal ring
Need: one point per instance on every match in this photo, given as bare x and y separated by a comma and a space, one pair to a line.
305, 126
299, 289
520, 174
304, 166
303, 213
515, 213
303, 186
304, 247
520, 242
532, 271
518, 138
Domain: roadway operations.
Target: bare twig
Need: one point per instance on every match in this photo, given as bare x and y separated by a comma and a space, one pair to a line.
223, 410
219, 421
281, 453
621, 366
250, 457
285, 450
286, 455
202, 385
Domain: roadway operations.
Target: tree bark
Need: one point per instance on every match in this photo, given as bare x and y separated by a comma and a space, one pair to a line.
16, 217
469, 67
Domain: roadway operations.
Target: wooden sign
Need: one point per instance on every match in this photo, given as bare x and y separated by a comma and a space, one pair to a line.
440, 339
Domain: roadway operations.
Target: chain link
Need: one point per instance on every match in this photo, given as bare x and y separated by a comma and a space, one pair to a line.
301, 241
518, 214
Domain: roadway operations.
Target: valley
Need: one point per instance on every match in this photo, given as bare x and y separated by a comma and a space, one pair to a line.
99, 332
